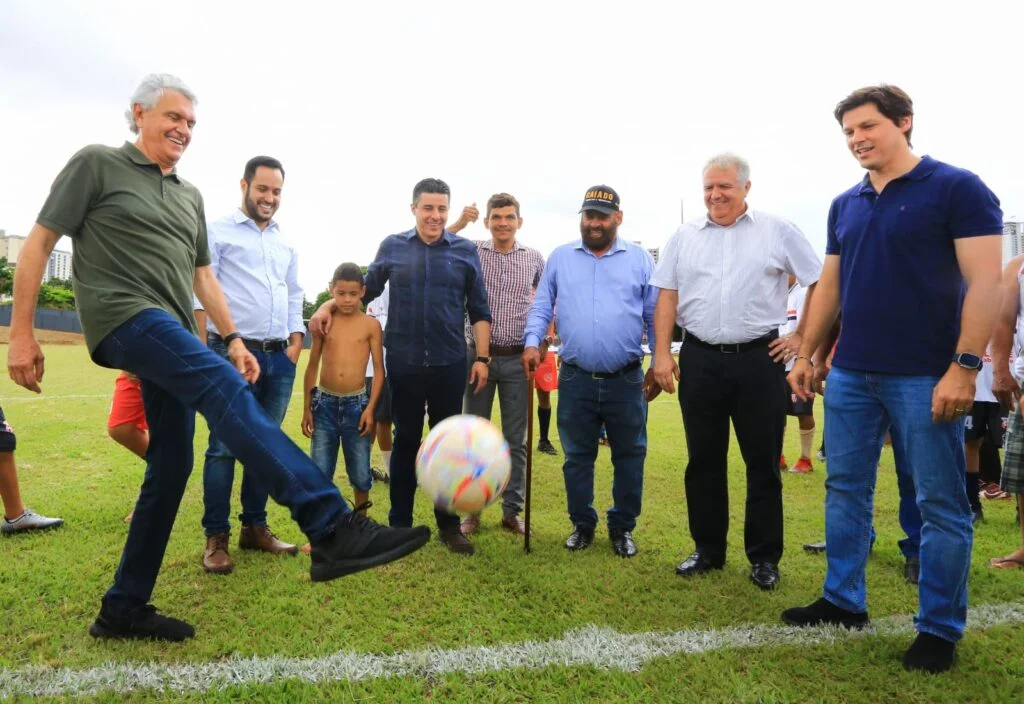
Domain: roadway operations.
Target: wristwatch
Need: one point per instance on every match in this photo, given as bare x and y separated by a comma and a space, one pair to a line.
968, 360
231, 337
550, 340
485, 360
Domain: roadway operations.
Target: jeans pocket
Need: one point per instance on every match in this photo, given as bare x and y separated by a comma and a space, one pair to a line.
568, 372
314, 401
634, 376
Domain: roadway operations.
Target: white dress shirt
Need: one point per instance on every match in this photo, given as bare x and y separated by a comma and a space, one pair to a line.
732, 281
378, 309
258, 271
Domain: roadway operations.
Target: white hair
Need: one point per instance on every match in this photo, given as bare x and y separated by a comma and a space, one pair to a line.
150, 91
726, 160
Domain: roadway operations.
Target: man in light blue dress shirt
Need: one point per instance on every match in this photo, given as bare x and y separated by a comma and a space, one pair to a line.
258, 271
601, 287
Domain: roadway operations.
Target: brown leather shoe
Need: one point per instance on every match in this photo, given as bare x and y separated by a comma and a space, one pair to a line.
216, 558
514, 524
456, 541
470, 524
260, 538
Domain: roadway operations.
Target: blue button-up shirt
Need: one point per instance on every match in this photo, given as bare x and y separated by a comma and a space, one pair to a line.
432, 288
258, 271
604, 305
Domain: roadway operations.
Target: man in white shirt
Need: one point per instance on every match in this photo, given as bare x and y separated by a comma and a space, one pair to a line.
258, 271
723, 279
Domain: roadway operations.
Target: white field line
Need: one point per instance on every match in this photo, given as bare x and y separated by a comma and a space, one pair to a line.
603, 648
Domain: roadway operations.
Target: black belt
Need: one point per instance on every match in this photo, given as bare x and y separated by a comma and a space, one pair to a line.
258, 345
505, 351
692, 339
607, 375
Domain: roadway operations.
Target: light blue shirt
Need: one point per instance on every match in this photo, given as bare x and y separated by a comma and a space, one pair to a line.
604, 305
258, 271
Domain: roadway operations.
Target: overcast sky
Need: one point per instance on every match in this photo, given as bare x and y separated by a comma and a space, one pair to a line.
540, 99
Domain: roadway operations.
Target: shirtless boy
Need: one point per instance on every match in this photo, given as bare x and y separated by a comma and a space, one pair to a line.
338, 409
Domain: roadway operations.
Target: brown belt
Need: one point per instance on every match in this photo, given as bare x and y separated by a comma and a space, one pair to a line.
499, 351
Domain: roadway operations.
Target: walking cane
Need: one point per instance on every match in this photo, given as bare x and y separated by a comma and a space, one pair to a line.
529, 460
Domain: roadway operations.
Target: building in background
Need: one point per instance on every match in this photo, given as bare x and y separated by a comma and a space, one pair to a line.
1013, 239
59, 266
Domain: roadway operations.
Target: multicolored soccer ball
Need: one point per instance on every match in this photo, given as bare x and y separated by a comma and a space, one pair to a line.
463, 464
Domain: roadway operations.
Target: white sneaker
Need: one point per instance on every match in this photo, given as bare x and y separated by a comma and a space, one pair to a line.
30, 520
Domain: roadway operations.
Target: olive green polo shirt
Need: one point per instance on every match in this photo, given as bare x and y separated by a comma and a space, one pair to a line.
138, 237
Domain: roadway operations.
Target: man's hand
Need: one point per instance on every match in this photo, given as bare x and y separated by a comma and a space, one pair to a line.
665, 372
543, 350
478, 376
243, 360
469, 215
320, 322
818, 379
1006, 390
783, 349
801, 379
307, 423
293, 350
530, 360
651, 386
367, 425
25, 362
953, 395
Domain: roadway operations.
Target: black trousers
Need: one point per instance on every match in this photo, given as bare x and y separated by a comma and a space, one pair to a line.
412, 387
750, 389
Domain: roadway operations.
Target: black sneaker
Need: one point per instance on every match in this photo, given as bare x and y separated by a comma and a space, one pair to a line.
379, 475
977, 514
546, 447
140, 623
359, 543
824, 612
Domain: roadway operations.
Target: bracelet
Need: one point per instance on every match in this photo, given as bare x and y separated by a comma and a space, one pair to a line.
809, 360
231, 336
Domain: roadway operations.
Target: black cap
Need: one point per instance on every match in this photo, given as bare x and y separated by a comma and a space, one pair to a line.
602, 198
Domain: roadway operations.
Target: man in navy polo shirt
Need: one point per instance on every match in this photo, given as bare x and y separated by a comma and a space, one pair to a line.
903, 246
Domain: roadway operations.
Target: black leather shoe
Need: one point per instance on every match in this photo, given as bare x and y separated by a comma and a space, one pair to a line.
912, 570
696, 564
622, 543
824, 612
580, 539
815, 548
765, 575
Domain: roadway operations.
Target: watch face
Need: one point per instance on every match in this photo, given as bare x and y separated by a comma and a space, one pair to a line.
969, 361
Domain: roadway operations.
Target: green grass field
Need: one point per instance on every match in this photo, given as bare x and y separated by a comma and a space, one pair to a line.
51, 584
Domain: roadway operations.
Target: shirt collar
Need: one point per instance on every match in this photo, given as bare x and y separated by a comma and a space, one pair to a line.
446, 237
489, 244
137, 157
240, 216
618, 246
921, 171
748, 214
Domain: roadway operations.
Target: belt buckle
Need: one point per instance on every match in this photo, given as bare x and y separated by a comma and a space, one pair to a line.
729, 349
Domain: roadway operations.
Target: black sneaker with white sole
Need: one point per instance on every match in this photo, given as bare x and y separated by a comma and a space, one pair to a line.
143, 622
359, 543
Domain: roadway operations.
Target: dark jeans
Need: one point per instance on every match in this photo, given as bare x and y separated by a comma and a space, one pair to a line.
585, 404
272, 391
748, 388
441, 389
179, 377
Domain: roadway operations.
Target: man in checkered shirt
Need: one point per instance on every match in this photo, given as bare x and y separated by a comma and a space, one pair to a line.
511, 273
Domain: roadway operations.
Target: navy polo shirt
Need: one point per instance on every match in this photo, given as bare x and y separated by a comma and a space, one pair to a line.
900, 285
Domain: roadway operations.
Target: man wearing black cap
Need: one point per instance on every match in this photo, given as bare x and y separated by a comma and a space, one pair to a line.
724, 280
600, 285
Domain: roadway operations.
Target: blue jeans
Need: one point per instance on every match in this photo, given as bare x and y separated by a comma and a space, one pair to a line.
859, 408
179, 377
584, 405
336, 418
272, 391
